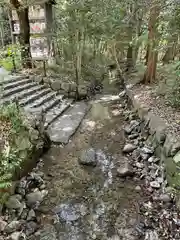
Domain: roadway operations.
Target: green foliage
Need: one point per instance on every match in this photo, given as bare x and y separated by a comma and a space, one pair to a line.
10, 160
10, 56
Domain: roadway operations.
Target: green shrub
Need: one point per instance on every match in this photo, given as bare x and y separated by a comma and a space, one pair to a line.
12, 126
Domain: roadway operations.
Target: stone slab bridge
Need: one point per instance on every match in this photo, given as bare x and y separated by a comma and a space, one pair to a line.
62, 116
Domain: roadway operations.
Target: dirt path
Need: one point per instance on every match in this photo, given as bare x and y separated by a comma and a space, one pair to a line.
91, 202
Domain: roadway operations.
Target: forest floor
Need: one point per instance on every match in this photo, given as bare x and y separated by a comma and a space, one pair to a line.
159, 96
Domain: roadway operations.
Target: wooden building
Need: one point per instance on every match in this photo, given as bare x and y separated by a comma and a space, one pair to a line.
41, 27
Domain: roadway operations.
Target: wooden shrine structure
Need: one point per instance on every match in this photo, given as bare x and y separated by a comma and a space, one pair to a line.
41, 28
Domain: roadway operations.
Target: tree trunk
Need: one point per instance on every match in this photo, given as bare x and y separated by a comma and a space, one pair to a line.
150, 73
24, 37
171, 50
129, 64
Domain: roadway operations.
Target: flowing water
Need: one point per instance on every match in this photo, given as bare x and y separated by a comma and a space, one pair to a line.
91, 202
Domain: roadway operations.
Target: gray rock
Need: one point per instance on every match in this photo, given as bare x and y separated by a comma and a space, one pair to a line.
56, 85
24, 214
15, 236
151, 235
65, 86
147, 150
31, 227
144, 156
13, 226
176, 158
153, 159
138, 188
139, 165
133, 136
43, 186
125, 170
71, 211
38, 179
88, 157
13, 203
34, 197
133, 124
155, 184
3, 225
165, 198
48, 233
31, 215
129, 148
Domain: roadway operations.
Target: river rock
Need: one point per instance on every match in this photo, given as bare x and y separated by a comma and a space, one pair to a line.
31, 227
3, 224
155, 184
13, 203
56, 85
138, 188
151, 235
16, 236
125, 170
129, 148
147, 150
34, 197
47, 233
31, 215
165, 198
88, 157
13, 226
133, 124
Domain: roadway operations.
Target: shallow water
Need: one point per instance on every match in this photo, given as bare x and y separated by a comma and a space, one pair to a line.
92, 203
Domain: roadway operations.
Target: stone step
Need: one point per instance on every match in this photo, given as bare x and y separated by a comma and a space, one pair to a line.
56, 111
45, 99
16, 84
12, 78
46, 106
15, 90
36, 96
23, 94
66, 125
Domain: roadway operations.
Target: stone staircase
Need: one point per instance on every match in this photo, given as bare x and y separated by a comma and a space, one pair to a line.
62, 116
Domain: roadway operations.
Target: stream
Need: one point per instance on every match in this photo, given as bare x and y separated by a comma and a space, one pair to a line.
90, 201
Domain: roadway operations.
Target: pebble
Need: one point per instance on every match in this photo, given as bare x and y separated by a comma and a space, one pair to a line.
129, 148
125, 170
3, 224
165, 198
139, 165
31, 227
138, 188
31, 215
15, 236
147, 150
155, 184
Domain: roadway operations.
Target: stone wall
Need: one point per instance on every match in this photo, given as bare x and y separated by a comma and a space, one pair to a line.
66, 87
166, 144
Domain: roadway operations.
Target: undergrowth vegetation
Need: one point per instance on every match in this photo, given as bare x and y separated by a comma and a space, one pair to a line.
169, 83
11, 122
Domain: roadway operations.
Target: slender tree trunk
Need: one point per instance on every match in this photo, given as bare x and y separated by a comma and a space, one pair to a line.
24, 37
150, 73
138, 34
130, 62
171, 50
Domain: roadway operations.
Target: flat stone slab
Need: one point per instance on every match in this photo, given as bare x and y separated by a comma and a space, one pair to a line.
65, 126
